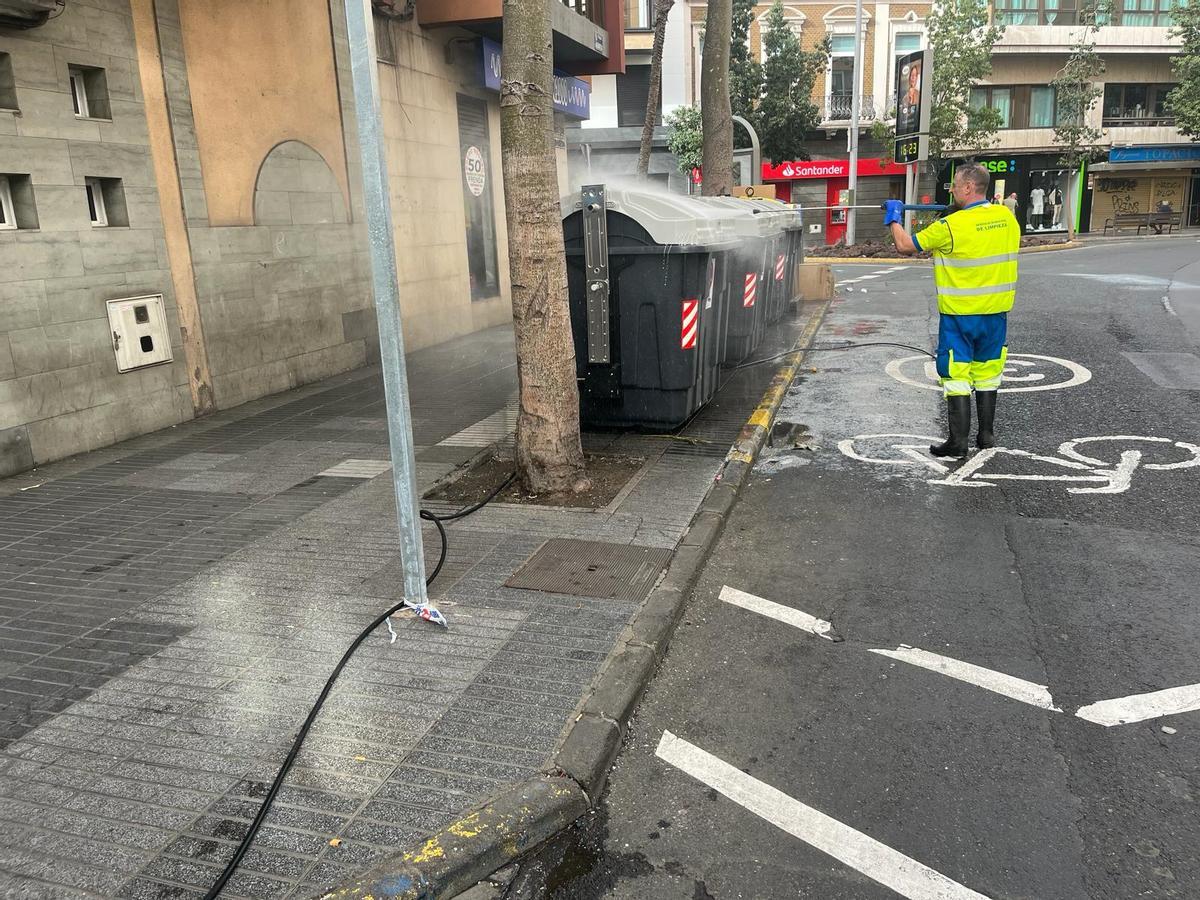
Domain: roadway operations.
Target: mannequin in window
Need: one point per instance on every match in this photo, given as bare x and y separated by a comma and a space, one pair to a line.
1050, 214
1056, 198
1037, 199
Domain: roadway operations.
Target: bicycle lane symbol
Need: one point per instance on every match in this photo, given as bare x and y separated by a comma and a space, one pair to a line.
1087, 474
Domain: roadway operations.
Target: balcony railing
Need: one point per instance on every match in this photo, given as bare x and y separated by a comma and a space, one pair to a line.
838, 108
592, 10
1136, 121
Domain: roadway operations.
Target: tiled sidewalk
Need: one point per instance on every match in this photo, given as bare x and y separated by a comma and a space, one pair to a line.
169, 612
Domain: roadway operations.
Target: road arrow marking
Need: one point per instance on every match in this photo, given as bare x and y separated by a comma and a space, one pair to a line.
1139, 707
877, 861
786, 614
989, 679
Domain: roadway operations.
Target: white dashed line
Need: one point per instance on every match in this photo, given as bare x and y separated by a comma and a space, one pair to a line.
988, 679
778, 611
877, 861
1139, 707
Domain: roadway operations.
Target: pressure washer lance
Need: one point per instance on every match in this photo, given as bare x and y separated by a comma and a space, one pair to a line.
908, 207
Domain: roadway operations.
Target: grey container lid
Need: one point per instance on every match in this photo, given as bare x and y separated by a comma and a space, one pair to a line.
750, 221
790, 217
671, 219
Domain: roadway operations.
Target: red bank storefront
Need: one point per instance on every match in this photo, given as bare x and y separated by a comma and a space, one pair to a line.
836, 175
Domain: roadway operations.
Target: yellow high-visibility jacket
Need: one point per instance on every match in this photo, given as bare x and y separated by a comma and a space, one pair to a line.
974, 259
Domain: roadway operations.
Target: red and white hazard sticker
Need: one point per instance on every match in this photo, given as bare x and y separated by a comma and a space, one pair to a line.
750, 294
779, 267
691, 324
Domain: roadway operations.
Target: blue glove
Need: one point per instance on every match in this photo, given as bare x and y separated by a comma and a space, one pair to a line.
893, 211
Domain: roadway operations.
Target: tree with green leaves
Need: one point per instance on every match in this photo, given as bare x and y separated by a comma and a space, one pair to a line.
786, 113
1076, 91
745, 72
684, 137
962, 40
1184, 100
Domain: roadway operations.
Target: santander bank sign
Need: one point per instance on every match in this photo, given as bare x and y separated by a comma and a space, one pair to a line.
826, 168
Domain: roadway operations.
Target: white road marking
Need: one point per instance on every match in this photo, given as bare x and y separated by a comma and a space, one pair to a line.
877, 861
1078, 374
1139, 707
794, 617
865, 277
1008, 685
1166, 302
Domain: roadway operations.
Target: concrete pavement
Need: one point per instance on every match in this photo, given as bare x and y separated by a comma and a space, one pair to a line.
170, 607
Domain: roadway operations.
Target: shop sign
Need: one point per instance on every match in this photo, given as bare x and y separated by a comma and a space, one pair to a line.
572, 96
827, 168
1154, 154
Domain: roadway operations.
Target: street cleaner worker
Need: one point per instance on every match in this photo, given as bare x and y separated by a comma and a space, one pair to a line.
975, 272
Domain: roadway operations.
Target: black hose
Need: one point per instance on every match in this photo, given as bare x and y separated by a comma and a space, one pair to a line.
847, 346
265, 808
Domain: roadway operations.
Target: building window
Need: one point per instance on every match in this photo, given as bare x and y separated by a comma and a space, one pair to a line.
16, 203
1037, 12
475, 163
997, 98
633, 92
385, 41
8, 214
1146, 12
8, 85
106, 202
639, 15
89, 93
841, 77
1137, 104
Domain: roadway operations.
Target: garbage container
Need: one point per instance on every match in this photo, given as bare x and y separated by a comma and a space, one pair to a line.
748, 274
775, 291
647, 282
793, 229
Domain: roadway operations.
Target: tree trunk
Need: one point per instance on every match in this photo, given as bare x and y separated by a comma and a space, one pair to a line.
662, 9
717, 164
549, 454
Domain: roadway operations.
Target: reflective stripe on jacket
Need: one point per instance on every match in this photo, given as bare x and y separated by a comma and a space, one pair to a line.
974, 259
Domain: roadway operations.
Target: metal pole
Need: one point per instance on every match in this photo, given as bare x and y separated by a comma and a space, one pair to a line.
855, 101
755, 151
387, 293
910, 190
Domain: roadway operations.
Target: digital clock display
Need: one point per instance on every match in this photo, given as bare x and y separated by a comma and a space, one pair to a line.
907, 150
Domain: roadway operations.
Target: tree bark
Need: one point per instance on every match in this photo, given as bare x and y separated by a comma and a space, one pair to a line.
549, 454
662, 8
717, 165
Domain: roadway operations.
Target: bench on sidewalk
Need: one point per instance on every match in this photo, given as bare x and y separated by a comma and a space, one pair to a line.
1156, 220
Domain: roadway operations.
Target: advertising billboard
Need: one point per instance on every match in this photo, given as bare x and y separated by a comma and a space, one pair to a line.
914, 87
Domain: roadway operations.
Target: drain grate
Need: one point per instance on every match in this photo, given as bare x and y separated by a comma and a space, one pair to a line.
592, 569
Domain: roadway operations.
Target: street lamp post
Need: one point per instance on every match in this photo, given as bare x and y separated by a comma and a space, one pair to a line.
855, 110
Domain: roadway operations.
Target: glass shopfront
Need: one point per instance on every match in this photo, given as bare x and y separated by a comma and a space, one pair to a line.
1034, 187
1044, 201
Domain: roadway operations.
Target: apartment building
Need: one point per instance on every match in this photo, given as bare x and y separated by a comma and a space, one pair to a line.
1149, 163
181, 223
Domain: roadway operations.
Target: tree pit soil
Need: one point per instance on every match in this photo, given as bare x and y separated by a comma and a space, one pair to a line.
608, 473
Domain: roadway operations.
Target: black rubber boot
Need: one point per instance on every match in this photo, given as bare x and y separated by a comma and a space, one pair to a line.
958, 411
985, 405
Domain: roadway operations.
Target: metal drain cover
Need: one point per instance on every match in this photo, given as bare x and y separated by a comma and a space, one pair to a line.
592, 569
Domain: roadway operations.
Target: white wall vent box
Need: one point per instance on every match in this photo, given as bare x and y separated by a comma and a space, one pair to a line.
139, 332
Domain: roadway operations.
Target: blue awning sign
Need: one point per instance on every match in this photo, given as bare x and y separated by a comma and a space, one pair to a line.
1181, 153
572, 96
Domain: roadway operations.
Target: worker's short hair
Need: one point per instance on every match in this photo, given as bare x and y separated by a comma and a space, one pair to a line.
976, 174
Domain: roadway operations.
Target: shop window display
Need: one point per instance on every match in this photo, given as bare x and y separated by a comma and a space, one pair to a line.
1044, 207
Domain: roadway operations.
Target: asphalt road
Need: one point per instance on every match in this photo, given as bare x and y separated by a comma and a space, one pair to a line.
1014, 595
